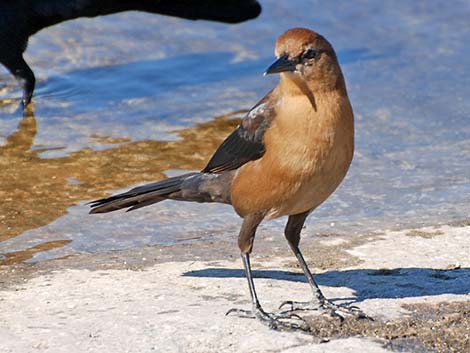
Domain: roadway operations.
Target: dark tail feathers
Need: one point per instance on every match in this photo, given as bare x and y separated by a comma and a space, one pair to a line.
140, 196
199, 187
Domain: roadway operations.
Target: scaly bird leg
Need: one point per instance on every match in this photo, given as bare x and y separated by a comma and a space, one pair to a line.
318, 302
280, 321
283, 321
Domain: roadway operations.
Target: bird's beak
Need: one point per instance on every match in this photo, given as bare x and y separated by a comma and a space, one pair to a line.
281, 65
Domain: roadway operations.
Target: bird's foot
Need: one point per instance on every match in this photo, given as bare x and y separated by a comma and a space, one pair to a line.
25, 100
288, 321
324, 305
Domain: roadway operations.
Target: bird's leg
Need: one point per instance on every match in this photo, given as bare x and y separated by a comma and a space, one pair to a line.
25, 76
318, 302
281, 321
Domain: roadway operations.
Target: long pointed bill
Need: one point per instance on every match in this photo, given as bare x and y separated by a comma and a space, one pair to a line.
281, 65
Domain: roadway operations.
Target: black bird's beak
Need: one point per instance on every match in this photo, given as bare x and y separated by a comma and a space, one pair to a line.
281, 65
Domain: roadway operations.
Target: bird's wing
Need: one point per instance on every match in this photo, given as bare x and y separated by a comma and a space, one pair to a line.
246, 142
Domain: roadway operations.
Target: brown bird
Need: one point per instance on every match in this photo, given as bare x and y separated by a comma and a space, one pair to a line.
290, 152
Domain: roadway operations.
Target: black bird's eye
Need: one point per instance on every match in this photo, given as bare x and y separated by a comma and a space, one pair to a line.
310, 54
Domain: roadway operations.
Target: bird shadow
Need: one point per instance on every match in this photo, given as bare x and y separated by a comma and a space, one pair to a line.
368, 283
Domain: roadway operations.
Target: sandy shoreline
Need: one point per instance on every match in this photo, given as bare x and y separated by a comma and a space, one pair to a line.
127, 303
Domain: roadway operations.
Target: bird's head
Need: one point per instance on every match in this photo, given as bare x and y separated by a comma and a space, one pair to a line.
302, 53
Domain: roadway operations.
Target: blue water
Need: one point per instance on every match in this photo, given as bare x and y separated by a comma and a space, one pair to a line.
144, 77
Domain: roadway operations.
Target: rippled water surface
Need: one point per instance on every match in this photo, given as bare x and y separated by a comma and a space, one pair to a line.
130, 98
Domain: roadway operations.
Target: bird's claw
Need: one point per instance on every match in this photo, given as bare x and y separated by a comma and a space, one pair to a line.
325, 305
275, 322
240, 313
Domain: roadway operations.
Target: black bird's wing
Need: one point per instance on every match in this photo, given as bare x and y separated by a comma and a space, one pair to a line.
246, 142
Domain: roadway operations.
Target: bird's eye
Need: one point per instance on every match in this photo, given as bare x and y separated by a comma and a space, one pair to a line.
310, 54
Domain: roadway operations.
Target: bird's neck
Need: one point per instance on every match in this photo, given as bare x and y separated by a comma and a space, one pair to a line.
292, 85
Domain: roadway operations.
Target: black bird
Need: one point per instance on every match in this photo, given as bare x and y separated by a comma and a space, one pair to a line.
19, 19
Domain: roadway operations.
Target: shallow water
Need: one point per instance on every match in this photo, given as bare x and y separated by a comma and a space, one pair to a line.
128, 98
